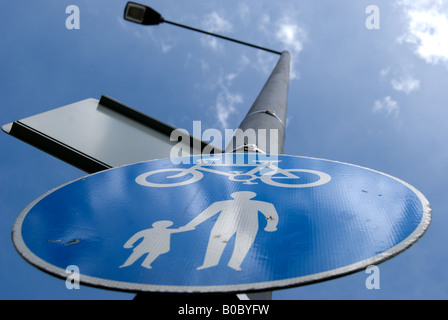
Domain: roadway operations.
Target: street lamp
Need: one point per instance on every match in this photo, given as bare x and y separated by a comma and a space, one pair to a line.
145, 15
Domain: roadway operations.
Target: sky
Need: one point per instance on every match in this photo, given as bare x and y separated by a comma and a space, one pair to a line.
370, 93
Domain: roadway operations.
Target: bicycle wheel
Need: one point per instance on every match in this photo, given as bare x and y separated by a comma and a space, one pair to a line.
323, 178
186, 177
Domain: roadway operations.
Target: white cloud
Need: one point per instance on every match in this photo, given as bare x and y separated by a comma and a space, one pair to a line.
264, 24
243, 10
291, 36
384, 72
405, 84
386, 105
165, 44
211, 42
227, 97
166, 47
265, 62
427, 29
226, 106
214, 22
288, 33
226, 100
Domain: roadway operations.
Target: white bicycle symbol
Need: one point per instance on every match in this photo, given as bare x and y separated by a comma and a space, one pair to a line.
269, 177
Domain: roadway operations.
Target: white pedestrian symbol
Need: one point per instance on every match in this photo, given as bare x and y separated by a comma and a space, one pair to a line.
238, 217
156, 241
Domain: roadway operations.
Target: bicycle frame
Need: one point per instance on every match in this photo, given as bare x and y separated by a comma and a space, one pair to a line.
234, 174
269, 177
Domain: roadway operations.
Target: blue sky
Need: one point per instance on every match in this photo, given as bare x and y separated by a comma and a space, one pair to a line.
375, 98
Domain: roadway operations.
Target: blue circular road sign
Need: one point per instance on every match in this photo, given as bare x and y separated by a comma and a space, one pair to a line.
221, 223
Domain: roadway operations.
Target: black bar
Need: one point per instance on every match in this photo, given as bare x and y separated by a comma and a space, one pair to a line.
57, 148
136, 115
147, 120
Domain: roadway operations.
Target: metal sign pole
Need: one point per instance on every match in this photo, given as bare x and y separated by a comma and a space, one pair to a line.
269, 113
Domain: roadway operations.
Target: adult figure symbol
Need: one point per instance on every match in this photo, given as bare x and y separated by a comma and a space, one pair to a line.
237, 217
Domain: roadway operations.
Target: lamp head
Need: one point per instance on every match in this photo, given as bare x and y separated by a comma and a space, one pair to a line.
141, 14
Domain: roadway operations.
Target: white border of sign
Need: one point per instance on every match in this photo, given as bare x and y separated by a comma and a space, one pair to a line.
237, 288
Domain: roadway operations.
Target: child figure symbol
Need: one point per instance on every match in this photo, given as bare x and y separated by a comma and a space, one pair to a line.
156, 241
